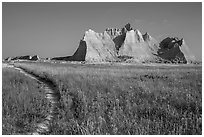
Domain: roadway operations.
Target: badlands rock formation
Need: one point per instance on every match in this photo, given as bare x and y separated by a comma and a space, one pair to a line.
35, 57
125, 44
136, 47
99, 47
128, 44
26, 57
175, 50
94, 47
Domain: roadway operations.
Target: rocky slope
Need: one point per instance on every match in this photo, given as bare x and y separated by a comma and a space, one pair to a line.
100, 47
94, 47
175, 50
125, 44
128, 44
26, 57
136, 47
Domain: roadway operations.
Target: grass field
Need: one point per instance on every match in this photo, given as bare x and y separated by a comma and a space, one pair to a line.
119, 99
23, 103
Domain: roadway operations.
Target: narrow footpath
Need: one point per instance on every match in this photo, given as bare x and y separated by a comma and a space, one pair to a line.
52, 95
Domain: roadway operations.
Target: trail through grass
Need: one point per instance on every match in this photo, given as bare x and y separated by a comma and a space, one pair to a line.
105, 99
23, 103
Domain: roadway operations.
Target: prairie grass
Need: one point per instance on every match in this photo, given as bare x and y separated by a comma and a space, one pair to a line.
117, 99
23, 103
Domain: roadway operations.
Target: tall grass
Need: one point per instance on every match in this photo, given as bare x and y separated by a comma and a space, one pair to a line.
105, 99
23, 103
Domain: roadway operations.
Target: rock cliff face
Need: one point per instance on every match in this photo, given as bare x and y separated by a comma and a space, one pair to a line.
128, 44
100, 47
118, 35
187, 53
94, 47
131, 44
175, 50
136, 47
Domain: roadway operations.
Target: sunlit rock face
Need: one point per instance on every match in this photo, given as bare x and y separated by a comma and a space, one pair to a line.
95, 47
8, 59
151, 42
140, 49
35, 58
131, 44
128, 44
175, 50
190, 58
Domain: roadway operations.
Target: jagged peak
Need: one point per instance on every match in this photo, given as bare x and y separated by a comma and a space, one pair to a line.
183, 41
139, 35
138, 32
105, 33
114, 31
177, 40
146, 36
128, 27
89, 30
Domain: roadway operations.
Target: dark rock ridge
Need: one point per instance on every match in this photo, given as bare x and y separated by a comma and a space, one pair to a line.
175, 50
26, 57
35, 57
79, 55
128, 44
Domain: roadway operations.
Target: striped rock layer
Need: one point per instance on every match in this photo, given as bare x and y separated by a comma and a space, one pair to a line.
128, 44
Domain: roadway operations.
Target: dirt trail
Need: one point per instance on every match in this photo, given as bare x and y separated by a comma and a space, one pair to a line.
52, 95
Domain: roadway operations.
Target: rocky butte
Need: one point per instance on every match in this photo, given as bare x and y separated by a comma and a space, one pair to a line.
128, 44
125, 45
175, 50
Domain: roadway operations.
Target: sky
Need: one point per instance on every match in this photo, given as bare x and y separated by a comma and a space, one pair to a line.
55, 29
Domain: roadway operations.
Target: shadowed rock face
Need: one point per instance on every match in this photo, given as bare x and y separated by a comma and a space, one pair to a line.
119, 41
118, 36
131, 44
94, 47
8, 59
128, 27
175, 50
27, 57
80, 53
35, 57
128, 44
135, 46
